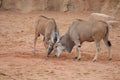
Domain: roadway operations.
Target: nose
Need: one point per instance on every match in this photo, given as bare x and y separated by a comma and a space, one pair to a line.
55, 46
57, 55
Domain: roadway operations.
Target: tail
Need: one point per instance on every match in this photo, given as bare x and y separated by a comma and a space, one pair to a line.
44, 17
109, 43
106, 36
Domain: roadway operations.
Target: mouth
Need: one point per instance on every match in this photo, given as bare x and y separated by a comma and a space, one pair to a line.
57, 53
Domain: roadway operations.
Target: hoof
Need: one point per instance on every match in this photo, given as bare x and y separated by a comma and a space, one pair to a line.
94, 60
55, 56
79, 59
47, 56
75, 57
110, 59
33, 52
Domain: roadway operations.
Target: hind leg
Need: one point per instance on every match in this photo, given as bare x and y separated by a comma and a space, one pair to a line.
108, 45
97, 50
45, 43
35, 40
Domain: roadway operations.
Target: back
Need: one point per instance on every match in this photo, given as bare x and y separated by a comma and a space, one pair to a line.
80, 29
43, 24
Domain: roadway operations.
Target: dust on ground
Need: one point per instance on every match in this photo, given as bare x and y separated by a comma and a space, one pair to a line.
18, 63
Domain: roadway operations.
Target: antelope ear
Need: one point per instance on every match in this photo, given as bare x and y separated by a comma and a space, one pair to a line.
69, 45
67, 42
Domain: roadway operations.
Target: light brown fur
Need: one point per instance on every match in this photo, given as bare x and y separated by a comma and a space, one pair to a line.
45, 26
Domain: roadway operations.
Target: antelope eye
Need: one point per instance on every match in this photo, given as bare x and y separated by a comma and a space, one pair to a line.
62, 44
51, 44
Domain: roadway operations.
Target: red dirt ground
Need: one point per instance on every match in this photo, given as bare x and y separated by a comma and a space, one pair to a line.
18, 63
